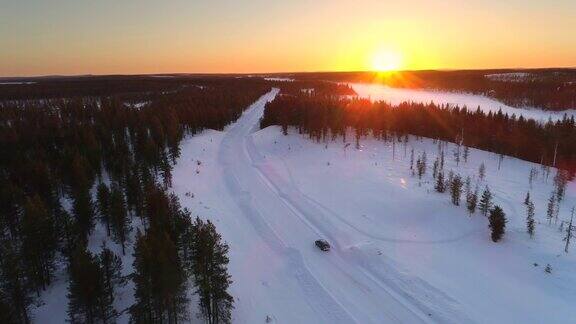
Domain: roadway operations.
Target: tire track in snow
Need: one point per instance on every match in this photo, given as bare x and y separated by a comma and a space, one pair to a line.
412, 292
395, 304
323, 303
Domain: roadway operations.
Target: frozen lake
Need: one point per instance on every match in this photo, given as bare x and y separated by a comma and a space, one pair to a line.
398, 95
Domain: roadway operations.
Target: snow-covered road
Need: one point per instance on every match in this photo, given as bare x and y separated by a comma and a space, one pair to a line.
339, 286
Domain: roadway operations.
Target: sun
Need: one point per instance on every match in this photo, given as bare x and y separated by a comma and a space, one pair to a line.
386, 61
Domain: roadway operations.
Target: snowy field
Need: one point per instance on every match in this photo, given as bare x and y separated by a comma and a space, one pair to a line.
401, 253
398, 95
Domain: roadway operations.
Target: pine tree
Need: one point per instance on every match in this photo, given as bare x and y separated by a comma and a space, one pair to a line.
500, 159
421, 165
119, 218
448, 181
111, 266
103, 202
527, 199
442, 160
412, 160
71, 238
83, 209
166, 171
497, 223
440, 187
159, 279
15, 292
482, 171
560, 182
457, 156
134, 193
456, 189
435, 168
530, 224
467, 185
472, 201
551, 208
11, 197
39, 242
532, 176
569, 232
210, 273
88, 302
485, 203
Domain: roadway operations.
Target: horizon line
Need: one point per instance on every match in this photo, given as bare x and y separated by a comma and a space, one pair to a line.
283, 72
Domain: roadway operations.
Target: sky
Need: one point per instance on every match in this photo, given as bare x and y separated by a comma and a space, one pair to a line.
47, 37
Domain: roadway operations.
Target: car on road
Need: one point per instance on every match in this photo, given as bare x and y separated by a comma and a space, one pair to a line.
323, 245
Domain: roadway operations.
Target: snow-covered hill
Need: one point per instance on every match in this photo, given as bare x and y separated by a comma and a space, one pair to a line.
401, 253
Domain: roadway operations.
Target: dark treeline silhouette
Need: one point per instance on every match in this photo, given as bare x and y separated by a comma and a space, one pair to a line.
550, 89
316, 87
323, 117
69, 161
97, 86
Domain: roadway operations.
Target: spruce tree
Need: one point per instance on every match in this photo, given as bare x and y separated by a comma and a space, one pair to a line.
497, 225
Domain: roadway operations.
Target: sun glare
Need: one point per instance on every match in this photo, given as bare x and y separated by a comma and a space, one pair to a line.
386, 61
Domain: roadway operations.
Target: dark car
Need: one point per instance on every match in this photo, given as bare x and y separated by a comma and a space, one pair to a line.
322, 245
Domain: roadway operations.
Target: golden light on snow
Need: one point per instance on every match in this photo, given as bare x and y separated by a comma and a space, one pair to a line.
386, 61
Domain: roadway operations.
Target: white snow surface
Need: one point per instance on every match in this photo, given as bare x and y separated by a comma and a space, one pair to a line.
16, 82
279, 79
401, 253
508, 77
396, 96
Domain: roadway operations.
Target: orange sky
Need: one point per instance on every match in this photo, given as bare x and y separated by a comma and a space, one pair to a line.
106, 37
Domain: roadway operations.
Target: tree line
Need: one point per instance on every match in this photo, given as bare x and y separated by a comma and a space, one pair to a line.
329, 116
548, 89
70, 162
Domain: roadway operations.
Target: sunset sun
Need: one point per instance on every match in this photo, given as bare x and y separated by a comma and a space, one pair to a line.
385, 61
